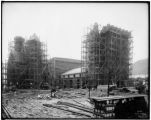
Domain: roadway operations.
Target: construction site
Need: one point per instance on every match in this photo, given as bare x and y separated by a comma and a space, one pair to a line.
32, 87
27, 63
107, 55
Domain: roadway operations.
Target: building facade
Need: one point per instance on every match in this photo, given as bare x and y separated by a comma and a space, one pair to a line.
72, 79
59, 66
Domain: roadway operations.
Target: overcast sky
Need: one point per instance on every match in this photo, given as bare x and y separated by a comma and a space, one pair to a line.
63, 25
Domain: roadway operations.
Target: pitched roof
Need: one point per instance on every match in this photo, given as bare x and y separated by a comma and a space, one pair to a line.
66, 59
73, 71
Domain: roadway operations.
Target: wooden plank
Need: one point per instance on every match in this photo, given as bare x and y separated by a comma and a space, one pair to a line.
74, 105
77, 107
5, 113
75, 112
115, 97
79, 103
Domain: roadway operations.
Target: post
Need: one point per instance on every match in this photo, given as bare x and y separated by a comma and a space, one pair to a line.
108, 92
88, 85
54, 70
89, 90
51, 84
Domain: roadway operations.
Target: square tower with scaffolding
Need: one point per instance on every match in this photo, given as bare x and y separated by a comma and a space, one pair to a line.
27, 63
106, 55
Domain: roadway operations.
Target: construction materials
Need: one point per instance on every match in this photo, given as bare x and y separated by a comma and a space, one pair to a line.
5, 113
76, 106
75, 112
79, 102
120, 107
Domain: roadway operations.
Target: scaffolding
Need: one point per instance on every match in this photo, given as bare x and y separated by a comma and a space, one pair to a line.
4, 75
27, 63
106, 55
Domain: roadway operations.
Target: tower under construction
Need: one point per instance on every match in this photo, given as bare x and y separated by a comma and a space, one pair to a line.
27, 63
106, 55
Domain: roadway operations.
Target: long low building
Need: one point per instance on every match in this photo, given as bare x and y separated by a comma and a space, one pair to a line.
59, 66
73, 79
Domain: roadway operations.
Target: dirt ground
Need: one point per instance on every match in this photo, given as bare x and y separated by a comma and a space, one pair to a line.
29, 103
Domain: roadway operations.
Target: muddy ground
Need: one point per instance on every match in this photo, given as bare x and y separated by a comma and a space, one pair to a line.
29, 103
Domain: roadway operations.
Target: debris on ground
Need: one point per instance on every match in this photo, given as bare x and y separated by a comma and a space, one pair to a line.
34, 103
44, 96
29, 104
124, 89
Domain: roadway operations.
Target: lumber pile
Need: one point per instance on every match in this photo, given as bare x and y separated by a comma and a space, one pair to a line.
65, 109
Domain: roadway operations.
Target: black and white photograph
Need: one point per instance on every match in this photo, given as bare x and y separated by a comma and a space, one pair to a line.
78, 60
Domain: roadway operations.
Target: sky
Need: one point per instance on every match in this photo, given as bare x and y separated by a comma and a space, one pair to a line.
62, 26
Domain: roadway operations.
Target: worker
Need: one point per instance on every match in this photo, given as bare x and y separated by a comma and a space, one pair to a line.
53, 92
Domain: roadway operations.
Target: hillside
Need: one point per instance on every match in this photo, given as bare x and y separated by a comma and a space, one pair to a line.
140, 67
